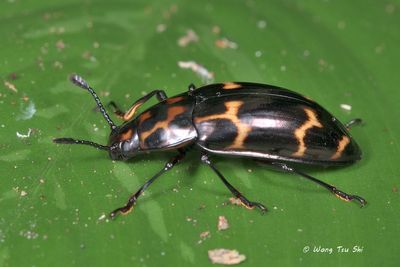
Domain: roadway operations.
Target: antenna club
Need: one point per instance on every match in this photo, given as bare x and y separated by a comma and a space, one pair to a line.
79, 81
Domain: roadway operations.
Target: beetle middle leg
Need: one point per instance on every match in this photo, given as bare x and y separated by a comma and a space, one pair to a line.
126, 116
247, 203
132, 200
337, 192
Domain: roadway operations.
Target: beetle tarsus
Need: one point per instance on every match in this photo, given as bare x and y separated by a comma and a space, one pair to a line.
251, 205
245, 202
123, 210
346, 197
353, 122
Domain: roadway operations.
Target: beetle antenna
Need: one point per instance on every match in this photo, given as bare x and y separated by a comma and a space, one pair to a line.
66, 140
77, 80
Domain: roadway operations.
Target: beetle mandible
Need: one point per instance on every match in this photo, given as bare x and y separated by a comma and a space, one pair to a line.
267, 123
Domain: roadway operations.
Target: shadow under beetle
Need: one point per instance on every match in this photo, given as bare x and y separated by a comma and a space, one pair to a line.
263, 122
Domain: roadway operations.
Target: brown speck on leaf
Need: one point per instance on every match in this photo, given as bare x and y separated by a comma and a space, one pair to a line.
104, 93
46, 16
40, 63
58, 65
225, 43
225, 256
222, 223
12, 76
60, 45
216, 29
395, 189
86, 55
204, 234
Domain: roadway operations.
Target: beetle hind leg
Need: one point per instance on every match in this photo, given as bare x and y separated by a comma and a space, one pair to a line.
337, 192
244, 201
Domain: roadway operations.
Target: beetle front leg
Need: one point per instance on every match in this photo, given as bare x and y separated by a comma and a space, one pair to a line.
337, 192
191, 88
351, 123
247, 203
132, 200
126, 116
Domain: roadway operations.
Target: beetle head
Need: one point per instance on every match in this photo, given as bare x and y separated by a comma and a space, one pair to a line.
124, 144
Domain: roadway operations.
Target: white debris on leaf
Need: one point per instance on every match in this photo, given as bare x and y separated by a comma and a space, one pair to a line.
202, 72
225, 256
28, 112
10, 86
345, 107
222, 223
23, 136
102, 217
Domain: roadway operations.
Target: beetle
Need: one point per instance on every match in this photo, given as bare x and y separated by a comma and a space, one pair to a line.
270, 124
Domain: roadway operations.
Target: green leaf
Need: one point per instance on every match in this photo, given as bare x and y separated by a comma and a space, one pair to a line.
51, 197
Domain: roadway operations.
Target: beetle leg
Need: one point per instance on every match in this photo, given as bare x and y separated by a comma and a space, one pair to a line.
351, 123
247, 203
126, 116
339, 193
191, 88
132, 200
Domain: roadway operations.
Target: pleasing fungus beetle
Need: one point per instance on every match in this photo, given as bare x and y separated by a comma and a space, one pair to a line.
267, 123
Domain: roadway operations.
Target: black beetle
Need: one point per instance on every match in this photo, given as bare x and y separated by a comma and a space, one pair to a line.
263, 122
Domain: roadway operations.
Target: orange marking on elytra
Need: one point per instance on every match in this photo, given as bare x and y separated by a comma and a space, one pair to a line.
174, 99
126, 135
172, 112
231, 85
231, 113
341, 146
300, 133
144, 116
